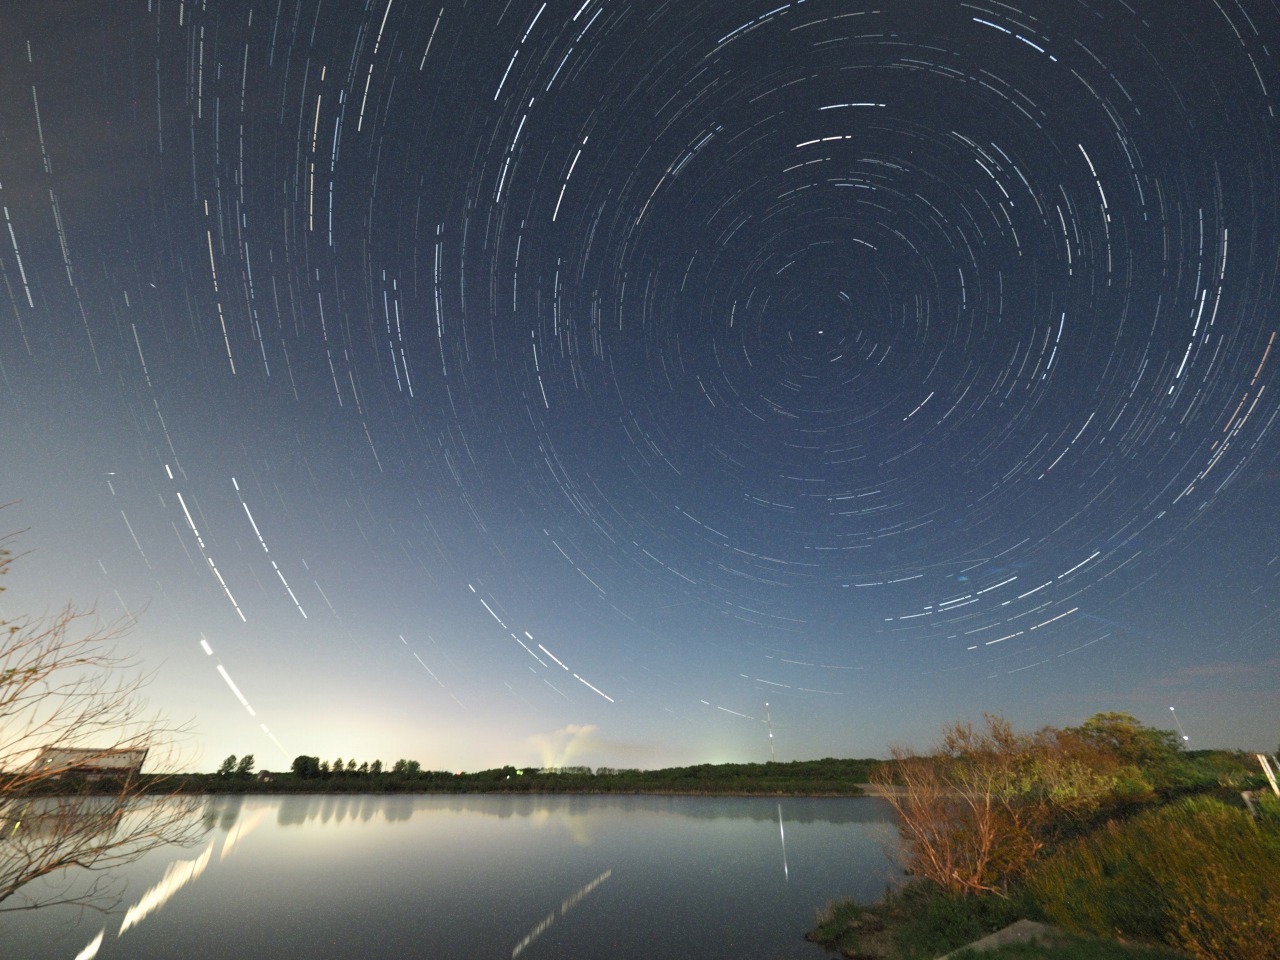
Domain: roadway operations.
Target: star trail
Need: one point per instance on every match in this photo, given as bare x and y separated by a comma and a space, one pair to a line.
469, 375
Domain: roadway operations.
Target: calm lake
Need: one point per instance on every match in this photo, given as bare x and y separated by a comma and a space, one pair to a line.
365, 877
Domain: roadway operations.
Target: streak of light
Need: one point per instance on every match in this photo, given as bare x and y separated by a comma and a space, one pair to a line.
782, 833
272, 737
176, 876
566, 905
1052, 619
243, 826
141, 552
594, 688
236, 690
552, 656
91, 949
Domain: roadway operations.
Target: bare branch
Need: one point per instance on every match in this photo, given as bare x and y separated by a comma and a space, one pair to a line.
71, 701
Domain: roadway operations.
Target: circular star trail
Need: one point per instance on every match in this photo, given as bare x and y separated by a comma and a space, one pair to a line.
589, 373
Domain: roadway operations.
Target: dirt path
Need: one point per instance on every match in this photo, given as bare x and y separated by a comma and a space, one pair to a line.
1023, 931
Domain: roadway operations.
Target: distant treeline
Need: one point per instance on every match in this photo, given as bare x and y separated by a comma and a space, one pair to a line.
827, 777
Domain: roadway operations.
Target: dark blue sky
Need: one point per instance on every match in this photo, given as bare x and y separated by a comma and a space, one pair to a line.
565, 382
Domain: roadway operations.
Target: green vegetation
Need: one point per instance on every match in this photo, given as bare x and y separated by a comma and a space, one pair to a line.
310, 774
920, 921
1197, 875
1108, 829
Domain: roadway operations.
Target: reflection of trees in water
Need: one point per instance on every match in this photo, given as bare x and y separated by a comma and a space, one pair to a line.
221, 811
297, 809
44, 836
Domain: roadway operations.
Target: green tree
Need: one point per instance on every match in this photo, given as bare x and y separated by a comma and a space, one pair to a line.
324, 768
407, 769
364, 769
351, 767
306, 768
1129, 740
228, 766
245, 767
376, 768
1143, 758
338, 767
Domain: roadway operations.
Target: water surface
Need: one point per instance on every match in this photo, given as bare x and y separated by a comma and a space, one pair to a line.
293, 877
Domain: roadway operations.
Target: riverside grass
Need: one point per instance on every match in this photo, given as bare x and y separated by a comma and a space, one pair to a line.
1196, 878
921, 921
1198, 875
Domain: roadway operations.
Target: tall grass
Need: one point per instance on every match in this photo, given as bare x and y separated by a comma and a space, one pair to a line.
1198, 875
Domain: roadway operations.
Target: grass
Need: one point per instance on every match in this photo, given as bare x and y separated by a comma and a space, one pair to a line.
920, 922
1198, 875
915, 922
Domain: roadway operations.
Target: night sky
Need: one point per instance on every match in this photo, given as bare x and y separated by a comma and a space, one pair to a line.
564, 382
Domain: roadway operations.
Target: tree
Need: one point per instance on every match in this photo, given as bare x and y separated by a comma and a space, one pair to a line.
1151, 755
228, 766
407, 769
376, 768
245, 767
975, 812
306, 768
69, 703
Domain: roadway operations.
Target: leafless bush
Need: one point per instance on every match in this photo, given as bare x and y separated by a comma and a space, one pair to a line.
64, 687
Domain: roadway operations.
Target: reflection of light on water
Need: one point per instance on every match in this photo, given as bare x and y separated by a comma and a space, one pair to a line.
533, 935
574, 899
240, 830
782, 833
176, 876
568, 904
91, 951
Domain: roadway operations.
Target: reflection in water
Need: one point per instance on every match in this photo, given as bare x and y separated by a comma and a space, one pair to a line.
297, 809
786, 872
44, 839
91, 951
566, 905
241, 829
359, 877
224, 812
176, 876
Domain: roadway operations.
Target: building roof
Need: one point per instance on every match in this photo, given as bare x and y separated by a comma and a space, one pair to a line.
89, 760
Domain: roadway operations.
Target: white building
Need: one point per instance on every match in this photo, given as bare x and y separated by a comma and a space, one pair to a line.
91, 764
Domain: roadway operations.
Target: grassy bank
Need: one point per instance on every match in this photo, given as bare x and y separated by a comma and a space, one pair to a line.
919, 922
1198, 877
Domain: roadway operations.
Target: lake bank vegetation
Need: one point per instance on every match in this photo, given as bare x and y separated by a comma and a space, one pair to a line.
309, 774
1109, 830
